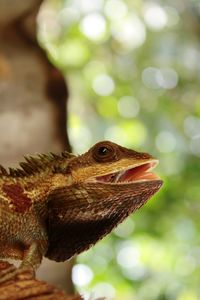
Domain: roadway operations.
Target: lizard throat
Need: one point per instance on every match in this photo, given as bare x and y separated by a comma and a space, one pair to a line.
138, 173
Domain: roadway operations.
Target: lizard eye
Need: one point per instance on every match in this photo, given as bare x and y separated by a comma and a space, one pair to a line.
103, 153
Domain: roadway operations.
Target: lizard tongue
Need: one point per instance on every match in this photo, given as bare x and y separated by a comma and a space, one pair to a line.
138, 173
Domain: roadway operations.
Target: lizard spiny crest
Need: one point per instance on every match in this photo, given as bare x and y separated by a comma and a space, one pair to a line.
36, 164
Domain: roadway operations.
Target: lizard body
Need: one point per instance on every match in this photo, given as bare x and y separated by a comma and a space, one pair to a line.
60, 205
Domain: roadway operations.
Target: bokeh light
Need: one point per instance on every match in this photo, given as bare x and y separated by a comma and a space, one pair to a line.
128, 255
165, 142
73, 53
49, 25
115, 9
149, 77
155, 78
155, 16
125, 229
195, 145
129, 32
103, 85
68, 16
128, 107
81, 275
104, 290
167, 78
87, 6
93, 26
192, 126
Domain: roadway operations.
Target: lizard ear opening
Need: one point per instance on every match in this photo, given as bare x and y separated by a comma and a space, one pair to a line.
104, 152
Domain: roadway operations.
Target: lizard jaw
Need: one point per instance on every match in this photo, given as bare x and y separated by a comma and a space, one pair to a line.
137, 173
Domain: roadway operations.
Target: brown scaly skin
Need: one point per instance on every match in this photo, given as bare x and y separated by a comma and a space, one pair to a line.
58, 206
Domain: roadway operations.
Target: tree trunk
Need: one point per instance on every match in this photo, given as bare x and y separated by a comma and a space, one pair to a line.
33, 96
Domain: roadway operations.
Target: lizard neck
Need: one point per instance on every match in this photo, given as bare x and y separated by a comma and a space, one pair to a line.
31, 193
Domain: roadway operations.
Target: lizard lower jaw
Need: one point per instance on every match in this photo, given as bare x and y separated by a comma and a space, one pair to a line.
133, 174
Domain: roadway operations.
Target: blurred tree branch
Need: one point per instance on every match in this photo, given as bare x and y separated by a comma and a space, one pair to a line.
24, 286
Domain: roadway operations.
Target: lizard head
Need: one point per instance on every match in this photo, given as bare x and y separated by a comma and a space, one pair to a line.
109, 163
109, 182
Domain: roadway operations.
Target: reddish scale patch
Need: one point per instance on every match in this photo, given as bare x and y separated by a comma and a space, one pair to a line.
18, 198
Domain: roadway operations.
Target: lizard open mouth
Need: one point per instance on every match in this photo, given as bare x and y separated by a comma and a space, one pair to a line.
134, 174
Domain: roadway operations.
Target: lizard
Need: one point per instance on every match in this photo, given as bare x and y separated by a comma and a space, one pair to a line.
60, 205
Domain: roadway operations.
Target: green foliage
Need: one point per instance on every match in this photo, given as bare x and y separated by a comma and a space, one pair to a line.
133, 68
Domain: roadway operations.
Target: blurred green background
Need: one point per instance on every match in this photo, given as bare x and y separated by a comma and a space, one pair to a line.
133, 70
